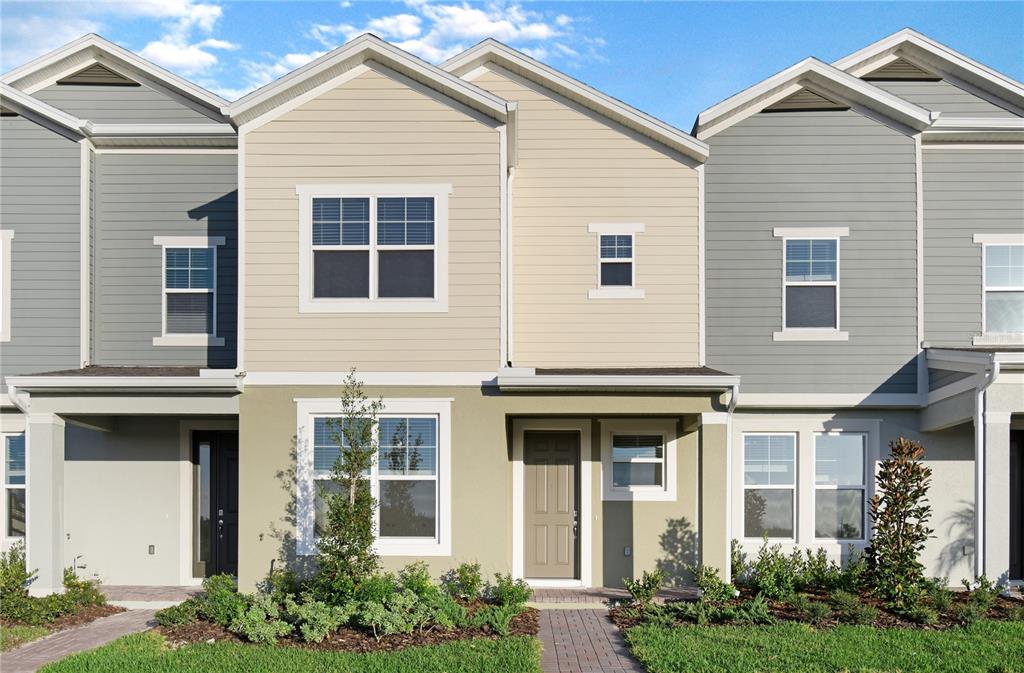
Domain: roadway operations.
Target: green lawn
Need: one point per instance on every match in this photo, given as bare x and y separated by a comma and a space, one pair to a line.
145, 653
985, 647
15, 636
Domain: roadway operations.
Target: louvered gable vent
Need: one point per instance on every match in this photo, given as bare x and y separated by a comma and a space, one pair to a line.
804, 100
901, 69
97, 75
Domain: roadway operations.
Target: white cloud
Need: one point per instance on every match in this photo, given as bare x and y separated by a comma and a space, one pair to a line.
25, 38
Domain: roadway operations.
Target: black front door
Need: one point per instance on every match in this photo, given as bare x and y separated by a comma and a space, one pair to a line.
215, 502
1017, 504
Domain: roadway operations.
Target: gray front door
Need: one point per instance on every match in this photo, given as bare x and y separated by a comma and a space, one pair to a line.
550, 461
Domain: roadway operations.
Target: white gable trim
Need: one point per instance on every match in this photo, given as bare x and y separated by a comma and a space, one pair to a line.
467, 65
364, 48
815, 75
928, 53
92, 48
22, 103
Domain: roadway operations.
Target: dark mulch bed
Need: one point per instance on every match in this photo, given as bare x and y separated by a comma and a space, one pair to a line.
85, 614
348, 639
625, 618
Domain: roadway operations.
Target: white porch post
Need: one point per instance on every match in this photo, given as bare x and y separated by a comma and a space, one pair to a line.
44, 451
997, 496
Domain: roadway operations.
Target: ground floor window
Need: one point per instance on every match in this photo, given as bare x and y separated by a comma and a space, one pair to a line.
769, 485
839, 485
638, 459
14, 485
409, 478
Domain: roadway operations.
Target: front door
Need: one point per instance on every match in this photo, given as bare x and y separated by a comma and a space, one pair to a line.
1017, 504
215, 502
550, 460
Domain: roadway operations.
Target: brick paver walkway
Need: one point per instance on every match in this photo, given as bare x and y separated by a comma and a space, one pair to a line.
34, 655
583, 641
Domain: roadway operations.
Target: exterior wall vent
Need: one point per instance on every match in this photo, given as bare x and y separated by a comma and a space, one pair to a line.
97, 75
901, 69
806, 100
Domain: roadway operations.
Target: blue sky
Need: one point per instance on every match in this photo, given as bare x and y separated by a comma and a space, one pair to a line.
672, 59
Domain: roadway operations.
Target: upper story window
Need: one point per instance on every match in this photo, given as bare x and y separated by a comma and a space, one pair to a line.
616, 261
373, 248
14, 485
810, 284
6, 236
189, 291
1003, 312
410, 477
769, 485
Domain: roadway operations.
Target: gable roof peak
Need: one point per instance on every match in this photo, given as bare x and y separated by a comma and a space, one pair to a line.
490, 50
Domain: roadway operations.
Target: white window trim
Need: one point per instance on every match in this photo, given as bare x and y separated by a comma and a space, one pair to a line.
863, 487
308, 409
6, 236
436, 304
667, 429
6, 539
805, 426
744, 486
987, 338
202, 340
811, 333
616, 291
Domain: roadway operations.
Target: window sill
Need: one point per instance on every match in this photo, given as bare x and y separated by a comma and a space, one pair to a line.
1004, 339
638, 495
199, 340
373, 305
811, 334
616, 293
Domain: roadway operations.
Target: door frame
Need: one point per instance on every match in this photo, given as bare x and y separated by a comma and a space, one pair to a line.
585, 553
185, 537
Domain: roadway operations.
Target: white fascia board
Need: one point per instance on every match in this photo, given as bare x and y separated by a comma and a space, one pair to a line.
139, 130
980, 123
490, 50
932, 52
20, 101
62, 383
617, 382
368, 47
103, 46
958, 360
814, 73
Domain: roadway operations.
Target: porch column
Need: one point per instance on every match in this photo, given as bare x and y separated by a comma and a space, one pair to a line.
44, 525
714, 492
997, 496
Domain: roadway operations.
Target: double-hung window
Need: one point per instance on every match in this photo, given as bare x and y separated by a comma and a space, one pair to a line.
189, 291
616, 261
14, 485
1004, 291
409, 476
839, 485
374, 248
810, 284
769, 485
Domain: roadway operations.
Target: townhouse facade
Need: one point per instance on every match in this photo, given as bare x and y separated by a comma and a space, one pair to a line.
603, 344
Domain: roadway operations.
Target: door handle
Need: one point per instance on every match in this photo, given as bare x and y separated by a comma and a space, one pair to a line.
575, 521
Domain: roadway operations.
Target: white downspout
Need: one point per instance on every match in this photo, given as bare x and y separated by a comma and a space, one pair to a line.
733, 399
979, 468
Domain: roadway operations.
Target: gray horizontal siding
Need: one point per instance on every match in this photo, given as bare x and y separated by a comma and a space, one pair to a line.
813, 169
942, 96
120, 104
39, 195
139, 196
967, 192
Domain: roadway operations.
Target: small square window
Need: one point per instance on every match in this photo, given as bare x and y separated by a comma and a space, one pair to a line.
638, 460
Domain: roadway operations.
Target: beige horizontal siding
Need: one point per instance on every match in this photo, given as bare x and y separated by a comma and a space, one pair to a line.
372, 129
576, 168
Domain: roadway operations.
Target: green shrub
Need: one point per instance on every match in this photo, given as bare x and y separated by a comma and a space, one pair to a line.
656, 615
753, 612
416, 578
713, 589
261, 621
401, 612
810, 611
376, 588
644, 590
852, 576
314, 619
221, 602
983, 592
851, 610
280, 584
81, 591
17, 606
698, 612
506, 591
186, 612
14, 577
969, 612
899, 515
773, 573
496, 617
737, 562
464, 582
1016, 613
445, 611
820, 572
920, 614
